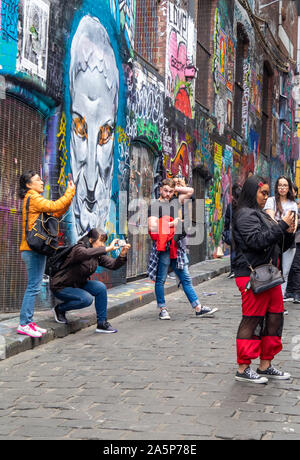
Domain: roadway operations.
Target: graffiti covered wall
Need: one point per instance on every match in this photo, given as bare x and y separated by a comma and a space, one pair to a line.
119, 125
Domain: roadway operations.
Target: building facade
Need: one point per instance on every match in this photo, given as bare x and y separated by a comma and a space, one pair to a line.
124, 93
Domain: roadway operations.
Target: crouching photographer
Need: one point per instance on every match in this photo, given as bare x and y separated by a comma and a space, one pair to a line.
72, 285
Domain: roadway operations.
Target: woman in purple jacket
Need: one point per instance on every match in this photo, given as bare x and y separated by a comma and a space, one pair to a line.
72, 283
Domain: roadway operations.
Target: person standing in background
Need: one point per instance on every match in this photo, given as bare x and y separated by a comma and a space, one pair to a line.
227, 232
293, 286
278, 207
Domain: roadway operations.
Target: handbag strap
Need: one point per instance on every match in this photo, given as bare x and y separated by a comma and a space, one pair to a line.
27, 212
248, 263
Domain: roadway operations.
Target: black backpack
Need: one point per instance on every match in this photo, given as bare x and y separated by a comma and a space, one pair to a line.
55, 262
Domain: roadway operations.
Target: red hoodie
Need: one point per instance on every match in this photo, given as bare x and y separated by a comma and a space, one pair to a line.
165, 234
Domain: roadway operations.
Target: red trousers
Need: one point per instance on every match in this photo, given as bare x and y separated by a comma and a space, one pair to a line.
259, 333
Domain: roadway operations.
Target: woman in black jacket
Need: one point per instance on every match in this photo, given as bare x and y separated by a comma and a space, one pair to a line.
258, 239
72, 285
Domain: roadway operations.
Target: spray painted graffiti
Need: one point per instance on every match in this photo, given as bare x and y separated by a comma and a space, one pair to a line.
94, 88
230, 64
216, 57
180, 56
256, 93
204, 148
180, 164
127, 11
246, 99
63, 152
8, 16
8, 34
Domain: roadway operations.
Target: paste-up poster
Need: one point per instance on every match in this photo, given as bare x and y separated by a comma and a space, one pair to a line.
34, 51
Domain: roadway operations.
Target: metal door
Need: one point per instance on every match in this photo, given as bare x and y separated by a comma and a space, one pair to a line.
21, 148
142, 166
197, 251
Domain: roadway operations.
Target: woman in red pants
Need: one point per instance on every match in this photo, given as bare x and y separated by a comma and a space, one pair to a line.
258, 239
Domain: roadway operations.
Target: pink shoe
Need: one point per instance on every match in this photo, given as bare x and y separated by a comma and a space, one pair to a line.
28, 329
38, 328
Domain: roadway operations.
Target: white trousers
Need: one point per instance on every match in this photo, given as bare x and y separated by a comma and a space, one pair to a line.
287, 260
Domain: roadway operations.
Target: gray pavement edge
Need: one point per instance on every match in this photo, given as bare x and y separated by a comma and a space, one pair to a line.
121, 299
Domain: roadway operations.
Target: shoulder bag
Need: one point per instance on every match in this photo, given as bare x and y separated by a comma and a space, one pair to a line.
43, 237
264, 277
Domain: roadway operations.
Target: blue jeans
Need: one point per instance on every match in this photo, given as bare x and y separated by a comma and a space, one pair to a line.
183, 275
35, 266
77, 298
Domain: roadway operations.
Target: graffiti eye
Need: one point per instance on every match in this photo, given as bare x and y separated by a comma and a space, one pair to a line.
80, 127
104, 134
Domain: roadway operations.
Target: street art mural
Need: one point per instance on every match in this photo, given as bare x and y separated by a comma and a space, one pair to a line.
95, 117
119, 126
145, 120
94, 93
180, 59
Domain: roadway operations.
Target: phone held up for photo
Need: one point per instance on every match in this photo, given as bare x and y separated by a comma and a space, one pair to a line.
120, 243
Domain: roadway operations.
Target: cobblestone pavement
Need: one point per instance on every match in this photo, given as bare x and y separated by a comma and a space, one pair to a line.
153, 380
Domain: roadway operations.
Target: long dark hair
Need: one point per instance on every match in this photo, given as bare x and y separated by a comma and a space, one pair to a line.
94, 234
236, 191
248, 194
25, 179
290, 194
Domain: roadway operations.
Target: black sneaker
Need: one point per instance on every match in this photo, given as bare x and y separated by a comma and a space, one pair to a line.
273, 373
59, 316
297, 298
105, 328
206, 312
250, 376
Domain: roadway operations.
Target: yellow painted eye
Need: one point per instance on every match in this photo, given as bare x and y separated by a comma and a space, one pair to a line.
104, 135
80, 127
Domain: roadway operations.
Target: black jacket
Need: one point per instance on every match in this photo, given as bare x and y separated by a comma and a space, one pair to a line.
259, 238
80, 264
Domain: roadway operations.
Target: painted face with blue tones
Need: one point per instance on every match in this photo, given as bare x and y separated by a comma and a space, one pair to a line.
94, 83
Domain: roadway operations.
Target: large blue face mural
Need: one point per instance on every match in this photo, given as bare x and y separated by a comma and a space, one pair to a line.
94, 110
94, 87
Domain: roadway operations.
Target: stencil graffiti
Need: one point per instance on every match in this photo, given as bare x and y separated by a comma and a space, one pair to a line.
35, 38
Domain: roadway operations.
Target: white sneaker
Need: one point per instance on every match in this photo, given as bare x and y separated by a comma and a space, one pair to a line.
39, 329
28, 329
164, 314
